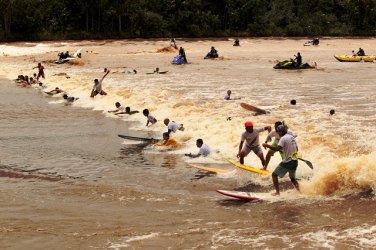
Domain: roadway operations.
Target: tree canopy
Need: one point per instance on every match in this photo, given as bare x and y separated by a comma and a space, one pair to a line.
94, 19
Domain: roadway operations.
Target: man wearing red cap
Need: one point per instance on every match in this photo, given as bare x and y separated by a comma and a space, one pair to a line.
251, 138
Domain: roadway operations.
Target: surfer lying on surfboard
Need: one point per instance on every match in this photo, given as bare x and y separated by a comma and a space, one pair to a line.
251, 138
167, 141
173, 126
289, 163
204, 149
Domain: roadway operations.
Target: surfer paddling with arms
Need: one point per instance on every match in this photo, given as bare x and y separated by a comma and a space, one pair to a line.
204, 149
289, 163
150, 119
173, 126
251, 138
167, 141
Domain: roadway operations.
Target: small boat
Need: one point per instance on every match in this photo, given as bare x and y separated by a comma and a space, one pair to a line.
345, 58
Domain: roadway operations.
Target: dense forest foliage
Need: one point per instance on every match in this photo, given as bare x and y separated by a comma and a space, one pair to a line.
84, 19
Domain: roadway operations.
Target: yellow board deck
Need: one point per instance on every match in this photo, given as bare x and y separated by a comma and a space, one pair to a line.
249, 168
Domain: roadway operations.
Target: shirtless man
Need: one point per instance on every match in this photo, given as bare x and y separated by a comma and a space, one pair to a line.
40, 71
97, 88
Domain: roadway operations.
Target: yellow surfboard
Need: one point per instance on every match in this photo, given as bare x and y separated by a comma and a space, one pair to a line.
249, 168
215, 170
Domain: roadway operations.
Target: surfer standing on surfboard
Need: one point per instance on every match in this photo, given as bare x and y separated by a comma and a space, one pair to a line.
97, 88
276, 136
251, 138
289, 163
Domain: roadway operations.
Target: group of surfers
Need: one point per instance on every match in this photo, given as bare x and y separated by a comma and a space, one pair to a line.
284, 141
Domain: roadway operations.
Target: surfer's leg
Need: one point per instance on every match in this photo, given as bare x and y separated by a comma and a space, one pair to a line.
245, 151
258, 152
278, 172
275, 183
268, 156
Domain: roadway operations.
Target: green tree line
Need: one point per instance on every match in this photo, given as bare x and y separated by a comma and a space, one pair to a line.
96, 19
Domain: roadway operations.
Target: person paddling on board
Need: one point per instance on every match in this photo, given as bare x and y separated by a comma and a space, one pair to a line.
128, 112
289, 163
57, 90
251, 138
69, 98
150, 119
276, 136
119, 108
173, 126
168, 141
204, 149
97, 88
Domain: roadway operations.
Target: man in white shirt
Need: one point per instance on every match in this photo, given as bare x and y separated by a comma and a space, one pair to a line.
204, 149
251, 138
150, 119
289, 163
172, 126
97, 88
119, 108
276, 136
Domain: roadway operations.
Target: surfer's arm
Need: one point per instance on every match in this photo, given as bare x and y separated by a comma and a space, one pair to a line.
240, 147
108, 71
269, 128
192, 155
275, 148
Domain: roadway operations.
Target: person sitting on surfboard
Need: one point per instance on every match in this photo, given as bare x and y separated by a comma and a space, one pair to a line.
276, 136
150, 119
97, 88
119, 108
251, 138
228, 96
168, 141
204, 149
289, 163
173, 126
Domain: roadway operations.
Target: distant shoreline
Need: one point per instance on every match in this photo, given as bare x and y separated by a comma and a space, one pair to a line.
193, 39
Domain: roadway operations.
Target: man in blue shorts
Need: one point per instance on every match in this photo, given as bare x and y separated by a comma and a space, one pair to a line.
289, 163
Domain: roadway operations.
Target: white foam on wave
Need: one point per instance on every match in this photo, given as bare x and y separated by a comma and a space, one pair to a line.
362, 236
125, 242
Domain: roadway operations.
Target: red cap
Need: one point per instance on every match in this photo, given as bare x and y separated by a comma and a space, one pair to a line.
248, 124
